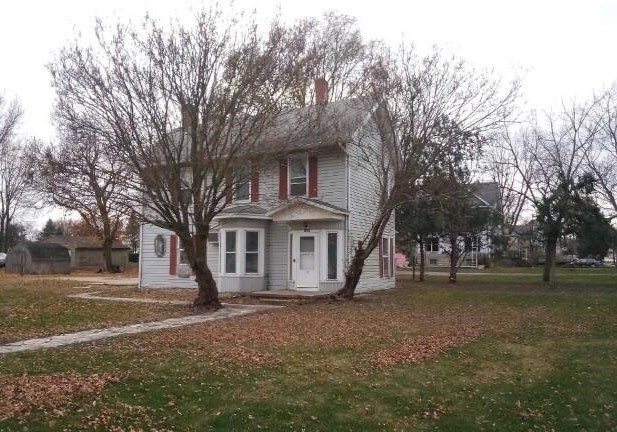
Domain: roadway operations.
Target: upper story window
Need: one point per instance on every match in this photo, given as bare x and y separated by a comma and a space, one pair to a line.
243, 183
298, 176
432, 244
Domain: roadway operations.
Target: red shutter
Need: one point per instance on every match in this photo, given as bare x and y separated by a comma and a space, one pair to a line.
283, 179
255, 187
173, 254
229, 190
312, 176
391, 256
380, 257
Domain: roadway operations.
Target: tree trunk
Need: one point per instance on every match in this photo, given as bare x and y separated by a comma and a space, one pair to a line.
208, 295
549, 264
107, 248
422, 259
453, 258
352, 277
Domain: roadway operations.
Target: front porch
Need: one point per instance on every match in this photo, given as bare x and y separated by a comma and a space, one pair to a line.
291, 294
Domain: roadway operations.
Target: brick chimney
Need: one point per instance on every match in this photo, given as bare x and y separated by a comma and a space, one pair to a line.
321, 91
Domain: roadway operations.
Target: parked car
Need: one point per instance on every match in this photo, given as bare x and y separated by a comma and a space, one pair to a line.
586, 262
2, 259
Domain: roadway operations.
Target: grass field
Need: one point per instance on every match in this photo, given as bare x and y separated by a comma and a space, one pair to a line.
496, 352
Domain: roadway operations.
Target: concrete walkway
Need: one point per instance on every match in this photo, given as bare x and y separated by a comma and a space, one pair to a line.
92, 296
101, 280
229, 311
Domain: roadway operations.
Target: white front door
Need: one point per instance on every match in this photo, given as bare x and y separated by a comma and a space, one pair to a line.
306, 260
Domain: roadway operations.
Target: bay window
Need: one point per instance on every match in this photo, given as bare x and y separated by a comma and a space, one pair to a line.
242, 252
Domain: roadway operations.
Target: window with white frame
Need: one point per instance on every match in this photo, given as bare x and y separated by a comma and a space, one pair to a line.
242, 251
251, 252
386, 256
230, 251
432, 244
298, 176
243, 183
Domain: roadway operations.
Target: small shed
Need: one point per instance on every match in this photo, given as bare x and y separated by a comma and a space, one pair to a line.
87, 252
38, 258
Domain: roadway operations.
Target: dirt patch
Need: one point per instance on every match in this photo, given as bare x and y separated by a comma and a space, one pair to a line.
20, 395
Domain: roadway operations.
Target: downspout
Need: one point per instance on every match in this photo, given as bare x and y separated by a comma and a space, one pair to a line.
141, 246
349, 244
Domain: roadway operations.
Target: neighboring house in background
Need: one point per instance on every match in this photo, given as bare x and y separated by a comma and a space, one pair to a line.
88, 252
481, 195
38, 258
294, 224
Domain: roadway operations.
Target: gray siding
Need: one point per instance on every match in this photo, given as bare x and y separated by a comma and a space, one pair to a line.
363, 205
154, 270
277, 255
240, 284
331, 180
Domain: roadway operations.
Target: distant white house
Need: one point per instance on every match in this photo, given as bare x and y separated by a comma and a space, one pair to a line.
294, 224
482, 195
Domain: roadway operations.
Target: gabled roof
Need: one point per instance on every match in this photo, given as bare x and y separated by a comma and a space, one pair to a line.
485, 194
313, 126
80, 242
319, 125
306, 209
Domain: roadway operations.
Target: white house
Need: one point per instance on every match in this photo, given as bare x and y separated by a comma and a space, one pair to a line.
481, 195
294, 224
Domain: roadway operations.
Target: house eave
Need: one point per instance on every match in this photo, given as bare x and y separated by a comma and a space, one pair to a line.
241, 216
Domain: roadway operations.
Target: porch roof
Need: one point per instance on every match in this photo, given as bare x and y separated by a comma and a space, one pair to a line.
244, 211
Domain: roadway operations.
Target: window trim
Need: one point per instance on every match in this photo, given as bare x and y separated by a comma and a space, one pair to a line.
306, 166
429, 243
323, 252
240, 253
337, 257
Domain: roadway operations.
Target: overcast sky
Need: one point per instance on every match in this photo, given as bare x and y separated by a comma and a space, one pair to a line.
562, 49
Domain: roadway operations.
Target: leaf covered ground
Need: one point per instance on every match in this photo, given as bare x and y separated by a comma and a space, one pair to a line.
488, 354
33, 307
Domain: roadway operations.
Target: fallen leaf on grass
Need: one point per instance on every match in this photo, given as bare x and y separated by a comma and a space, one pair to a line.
421, 348
20, 395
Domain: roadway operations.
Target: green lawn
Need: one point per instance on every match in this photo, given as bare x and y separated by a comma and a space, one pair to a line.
492, 353
36, 307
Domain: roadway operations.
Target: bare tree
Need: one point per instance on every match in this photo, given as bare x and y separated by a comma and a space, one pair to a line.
602, 160
497, 163
185, 108
14, 178
550, 160
432, 106
333, 49
85, 176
